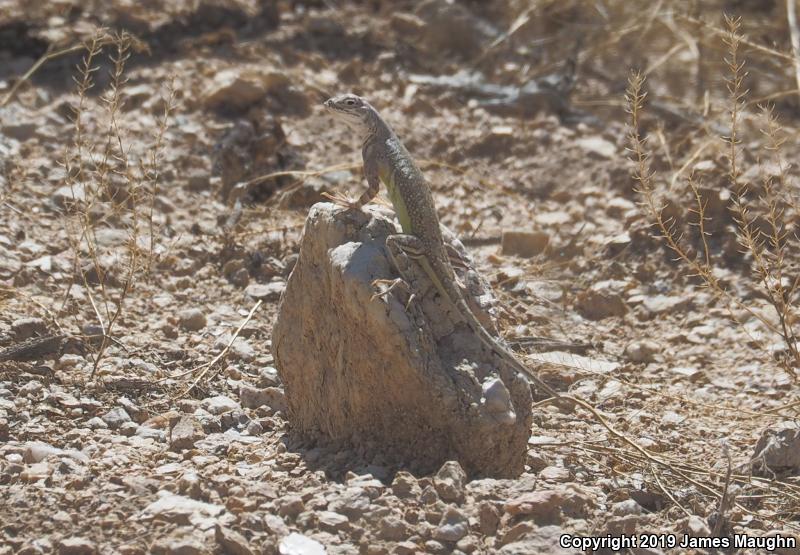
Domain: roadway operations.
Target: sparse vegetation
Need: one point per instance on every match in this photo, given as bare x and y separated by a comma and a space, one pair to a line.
763, 212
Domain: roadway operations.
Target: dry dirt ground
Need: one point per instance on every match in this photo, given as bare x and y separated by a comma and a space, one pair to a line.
139, 246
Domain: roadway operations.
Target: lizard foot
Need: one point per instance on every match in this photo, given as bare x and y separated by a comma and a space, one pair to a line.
342, 200
392, 283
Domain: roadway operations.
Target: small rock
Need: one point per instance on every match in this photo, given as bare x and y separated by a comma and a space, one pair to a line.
25, 328
232, 542
597, 305
626, 508
76, 546
273, 397
543, 505
268, 377
449, 482
147, 432
4, 432
185, 433
405, 485
697, 527
128, 429
597, 146
234, 89
778, 449
488, 518
332, 522
393, 529
38, 451
220, 404
642, 351
453, 526
192, 319
96, 423
291, 505
116, 417
664, 304
555, 474
266, 291
524, 243
68, 196
298, 544
429, 495
179, 509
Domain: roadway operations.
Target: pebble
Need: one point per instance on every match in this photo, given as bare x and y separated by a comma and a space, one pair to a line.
76, 546
449, 482
298, 544
220, 404
266, 291
642, 351
25, 328
452, 527
96, 423
525, 244
192, 319
186, 432
116, 417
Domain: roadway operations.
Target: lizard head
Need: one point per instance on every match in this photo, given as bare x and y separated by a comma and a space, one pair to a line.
353, 110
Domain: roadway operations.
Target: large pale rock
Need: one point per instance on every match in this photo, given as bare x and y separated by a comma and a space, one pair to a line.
402, 382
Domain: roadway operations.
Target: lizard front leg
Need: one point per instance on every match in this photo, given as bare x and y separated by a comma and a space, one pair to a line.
371, 173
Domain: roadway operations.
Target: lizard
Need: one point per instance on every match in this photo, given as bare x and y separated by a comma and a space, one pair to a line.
386, 160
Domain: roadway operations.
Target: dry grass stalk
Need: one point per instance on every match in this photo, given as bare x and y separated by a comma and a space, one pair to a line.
104, 182
760, 226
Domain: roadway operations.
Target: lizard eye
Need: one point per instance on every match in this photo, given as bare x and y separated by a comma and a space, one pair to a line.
350, 102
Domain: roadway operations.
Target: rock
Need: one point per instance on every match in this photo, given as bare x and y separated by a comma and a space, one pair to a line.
25, 328
451, 27
232, 542
393, 529
128, 429
234, 89
4, 431
554, 474
332, 522
542, 505
180, 510
405, 485
627, 507
452, 527
116, 417
220, 404
96, 423
664, 304
379, 359
66, 197
488, 518
597, 305
290, 505
76, 546
524, 243
642, 351
597, 146
545, 539
185, 433
273, 397
179, 542
777, 452
265, 291
147, 432
449, 482
37, 451
696, 527
298, 544
192, 319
